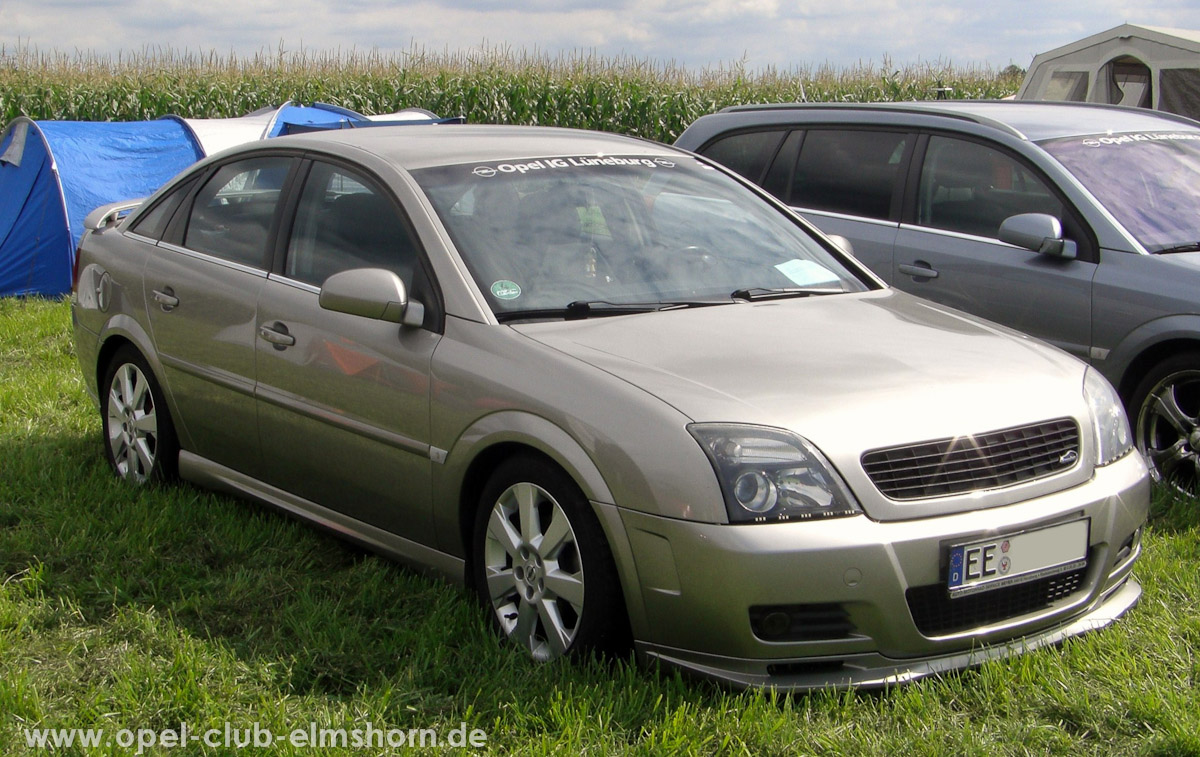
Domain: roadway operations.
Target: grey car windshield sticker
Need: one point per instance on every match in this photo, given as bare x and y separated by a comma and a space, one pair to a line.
1125, 139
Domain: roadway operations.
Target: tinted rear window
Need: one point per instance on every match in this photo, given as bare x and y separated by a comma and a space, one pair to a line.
852, 172
746, 153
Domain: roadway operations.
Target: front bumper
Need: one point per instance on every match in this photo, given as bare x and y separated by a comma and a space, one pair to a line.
697, 585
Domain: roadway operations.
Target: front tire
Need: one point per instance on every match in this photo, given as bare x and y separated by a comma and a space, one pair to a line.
139, 437
1167, 422
541, 564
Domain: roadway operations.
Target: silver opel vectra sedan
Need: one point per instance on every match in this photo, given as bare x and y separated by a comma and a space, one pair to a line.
620, 393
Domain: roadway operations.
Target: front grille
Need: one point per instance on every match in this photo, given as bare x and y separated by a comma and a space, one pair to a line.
973, 463
936, 614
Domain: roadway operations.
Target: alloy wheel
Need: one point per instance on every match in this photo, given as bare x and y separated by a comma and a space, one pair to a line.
1168, 430
533, 571
132, 423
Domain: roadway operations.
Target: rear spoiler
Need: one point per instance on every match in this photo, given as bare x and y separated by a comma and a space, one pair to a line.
110, 214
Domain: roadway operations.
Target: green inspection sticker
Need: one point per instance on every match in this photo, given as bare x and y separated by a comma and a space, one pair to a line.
506, 290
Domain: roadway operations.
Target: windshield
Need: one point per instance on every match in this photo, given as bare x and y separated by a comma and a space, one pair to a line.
622, 233
1149, 181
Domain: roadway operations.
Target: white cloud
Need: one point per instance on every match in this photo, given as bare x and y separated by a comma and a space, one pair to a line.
697, 33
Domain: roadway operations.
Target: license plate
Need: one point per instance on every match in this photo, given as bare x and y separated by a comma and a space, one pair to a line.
1017, 558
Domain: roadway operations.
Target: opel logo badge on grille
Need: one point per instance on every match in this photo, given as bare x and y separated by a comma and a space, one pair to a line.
1068, 458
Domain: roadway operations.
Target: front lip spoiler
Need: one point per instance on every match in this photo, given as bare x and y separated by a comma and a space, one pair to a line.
872, 670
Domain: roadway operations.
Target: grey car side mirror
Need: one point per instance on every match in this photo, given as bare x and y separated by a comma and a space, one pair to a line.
371, 293
842, 242
1038, 232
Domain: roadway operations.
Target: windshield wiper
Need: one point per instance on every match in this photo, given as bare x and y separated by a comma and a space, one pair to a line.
580, 309
1185, 247
750, 294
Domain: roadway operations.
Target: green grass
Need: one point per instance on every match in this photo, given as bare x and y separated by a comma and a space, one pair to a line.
630, 96
127, 608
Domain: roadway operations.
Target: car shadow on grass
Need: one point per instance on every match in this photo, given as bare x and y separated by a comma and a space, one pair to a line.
331, 619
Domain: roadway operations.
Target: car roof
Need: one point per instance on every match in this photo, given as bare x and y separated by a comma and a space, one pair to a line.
422, 145
1033, 120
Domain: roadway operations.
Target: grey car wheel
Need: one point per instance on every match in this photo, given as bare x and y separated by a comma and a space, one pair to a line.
1167, 429
139, 437
541, 564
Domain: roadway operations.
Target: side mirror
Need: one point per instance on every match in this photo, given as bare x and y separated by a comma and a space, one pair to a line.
842, 243
371, 293
1039, 232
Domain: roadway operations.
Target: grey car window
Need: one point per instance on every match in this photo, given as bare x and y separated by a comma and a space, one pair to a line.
232, 214
1147, 180
153, 223
746, 153
971, 188
344, 222
852, 172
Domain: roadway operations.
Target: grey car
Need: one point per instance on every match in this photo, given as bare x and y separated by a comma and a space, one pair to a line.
617, 392
1076, 223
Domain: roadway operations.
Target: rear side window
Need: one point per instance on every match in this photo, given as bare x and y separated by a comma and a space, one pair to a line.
971, 188
232, 214
747, 153
852, 172
153, 224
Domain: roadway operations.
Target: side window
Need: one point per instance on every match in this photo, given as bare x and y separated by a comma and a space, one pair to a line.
343, 222
154, 223
746, 153
1065, 85
231, 217
852, 172
971, 188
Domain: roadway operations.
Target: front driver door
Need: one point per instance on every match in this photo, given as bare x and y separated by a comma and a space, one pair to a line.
344, 400
951, 254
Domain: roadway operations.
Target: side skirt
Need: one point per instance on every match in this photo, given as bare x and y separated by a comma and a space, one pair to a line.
210, 475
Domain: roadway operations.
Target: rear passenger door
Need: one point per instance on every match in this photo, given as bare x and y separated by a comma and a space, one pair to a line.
948, 250
846, 181
202, 286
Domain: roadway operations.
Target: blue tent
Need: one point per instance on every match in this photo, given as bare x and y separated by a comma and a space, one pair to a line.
53, 173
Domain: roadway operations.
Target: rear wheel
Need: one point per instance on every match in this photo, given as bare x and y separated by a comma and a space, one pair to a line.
1167, 424
140, 441
541, 564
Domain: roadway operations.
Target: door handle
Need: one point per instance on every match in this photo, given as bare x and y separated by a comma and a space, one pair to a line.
166, 299
918, 269
277, 334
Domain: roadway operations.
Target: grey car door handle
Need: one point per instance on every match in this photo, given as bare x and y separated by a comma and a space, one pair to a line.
166, 298
918, 269
277, 335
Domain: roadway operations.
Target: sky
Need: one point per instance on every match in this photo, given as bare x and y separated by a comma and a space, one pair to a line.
695, 34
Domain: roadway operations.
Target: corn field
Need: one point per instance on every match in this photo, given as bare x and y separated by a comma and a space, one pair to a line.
630, 96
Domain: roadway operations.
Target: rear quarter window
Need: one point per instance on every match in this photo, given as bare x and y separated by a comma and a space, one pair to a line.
747, 153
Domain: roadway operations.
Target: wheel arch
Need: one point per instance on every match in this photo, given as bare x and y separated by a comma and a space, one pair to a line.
485, 445
118, 332
1147, 347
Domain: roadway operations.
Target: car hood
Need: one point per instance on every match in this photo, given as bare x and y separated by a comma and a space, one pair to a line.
850, 373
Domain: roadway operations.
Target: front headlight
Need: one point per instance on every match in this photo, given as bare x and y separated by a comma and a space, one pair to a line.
1111, 427
769, 475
